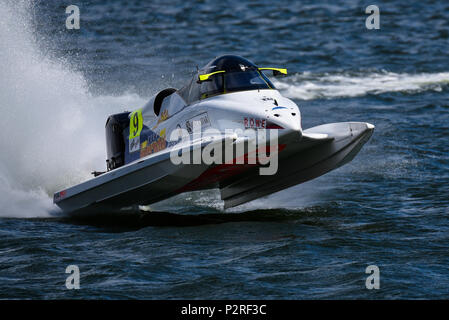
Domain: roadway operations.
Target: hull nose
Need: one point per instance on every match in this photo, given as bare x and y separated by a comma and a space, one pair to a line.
286, 118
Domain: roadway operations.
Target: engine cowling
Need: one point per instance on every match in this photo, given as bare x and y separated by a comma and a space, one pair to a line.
115, 145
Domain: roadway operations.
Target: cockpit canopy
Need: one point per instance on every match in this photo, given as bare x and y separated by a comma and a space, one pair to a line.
225, 74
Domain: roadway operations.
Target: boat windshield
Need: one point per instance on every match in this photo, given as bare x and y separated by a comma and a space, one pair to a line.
225, 82
249, 80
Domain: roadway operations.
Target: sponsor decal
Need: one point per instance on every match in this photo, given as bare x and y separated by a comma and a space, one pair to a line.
162, 117
134, 144
254, 123
203, 118
135, 124
135, 128
155, 143
243, 67
60, 195
189, 126
265, 98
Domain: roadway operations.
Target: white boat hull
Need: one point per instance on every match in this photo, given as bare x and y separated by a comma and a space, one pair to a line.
155, 178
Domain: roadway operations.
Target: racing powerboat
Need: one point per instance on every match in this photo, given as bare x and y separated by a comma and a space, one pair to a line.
228, 128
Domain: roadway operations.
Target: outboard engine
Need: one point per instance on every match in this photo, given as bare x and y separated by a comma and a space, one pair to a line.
115, 144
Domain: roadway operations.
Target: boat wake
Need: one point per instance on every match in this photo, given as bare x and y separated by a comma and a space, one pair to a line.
309, 86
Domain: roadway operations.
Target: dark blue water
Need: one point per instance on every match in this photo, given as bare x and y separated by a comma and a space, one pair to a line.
389, 207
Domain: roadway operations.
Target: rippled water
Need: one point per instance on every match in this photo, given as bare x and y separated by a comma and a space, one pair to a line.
389, 207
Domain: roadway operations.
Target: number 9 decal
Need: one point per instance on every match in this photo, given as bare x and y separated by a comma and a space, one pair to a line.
135, 124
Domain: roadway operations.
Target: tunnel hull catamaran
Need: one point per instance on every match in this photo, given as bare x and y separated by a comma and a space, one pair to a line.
223, 108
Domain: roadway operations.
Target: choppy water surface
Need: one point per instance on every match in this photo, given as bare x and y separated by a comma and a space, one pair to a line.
389, 207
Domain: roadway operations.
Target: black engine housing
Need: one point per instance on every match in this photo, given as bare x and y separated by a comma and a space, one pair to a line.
115, 143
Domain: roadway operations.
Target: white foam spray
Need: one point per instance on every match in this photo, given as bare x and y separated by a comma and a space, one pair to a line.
52, 129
